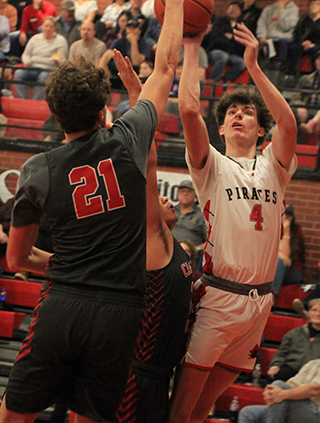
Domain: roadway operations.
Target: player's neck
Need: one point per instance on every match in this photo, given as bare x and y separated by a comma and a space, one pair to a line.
239, 151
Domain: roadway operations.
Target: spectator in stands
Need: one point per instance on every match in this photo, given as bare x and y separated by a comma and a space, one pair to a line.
223, 49
291, 254
33, 17
275, 26
250, 15
85, 10
119, 31
147, 9
89, 46
66, 23
112, 12
20, 5
191, 223
43, 51
133, 45
306, 37
297, 347
297, 401
135, 9
153, 32
305, 103
10, 12
4, 37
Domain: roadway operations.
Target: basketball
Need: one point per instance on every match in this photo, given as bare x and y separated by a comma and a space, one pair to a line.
197, 15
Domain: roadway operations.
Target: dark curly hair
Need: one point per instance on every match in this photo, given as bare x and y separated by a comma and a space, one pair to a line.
245, 94
76, 93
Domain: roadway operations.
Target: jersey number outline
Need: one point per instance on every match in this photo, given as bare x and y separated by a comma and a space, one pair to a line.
256, 216
87, 204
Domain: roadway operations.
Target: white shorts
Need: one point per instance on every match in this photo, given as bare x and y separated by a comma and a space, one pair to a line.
227, 330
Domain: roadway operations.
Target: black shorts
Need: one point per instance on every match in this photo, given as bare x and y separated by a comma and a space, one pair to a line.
80, 348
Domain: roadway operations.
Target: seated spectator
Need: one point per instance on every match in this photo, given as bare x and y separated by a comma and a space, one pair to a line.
135, 9
297, 401
191, 223
275, 26
89, 46
147, 9
132, 45
153, 32
305, 105
250, 15
291, 254
19, 5
223, 49
85, 10
4, 37
297, 347
306, 37
112, 12
145, 70
66, 23
119, 31
33, 17
43, 51
10, 12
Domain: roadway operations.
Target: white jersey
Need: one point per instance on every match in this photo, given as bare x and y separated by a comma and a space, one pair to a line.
242, 202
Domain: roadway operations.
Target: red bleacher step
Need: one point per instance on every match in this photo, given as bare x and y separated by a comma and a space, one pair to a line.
266, 355
9, 321
288, 293
277, 326
247, 395
21, 293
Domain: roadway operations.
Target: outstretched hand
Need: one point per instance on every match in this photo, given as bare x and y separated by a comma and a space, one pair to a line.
127, 74
244, 36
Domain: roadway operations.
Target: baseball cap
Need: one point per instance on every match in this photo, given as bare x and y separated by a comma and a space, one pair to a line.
68, 5
186, 184
290, 209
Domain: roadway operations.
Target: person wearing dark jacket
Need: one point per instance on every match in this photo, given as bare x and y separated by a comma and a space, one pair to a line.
223, 49
306, 37
250, 15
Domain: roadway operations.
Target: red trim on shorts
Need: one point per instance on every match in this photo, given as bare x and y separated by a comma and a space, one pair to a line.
195, 366
239, 369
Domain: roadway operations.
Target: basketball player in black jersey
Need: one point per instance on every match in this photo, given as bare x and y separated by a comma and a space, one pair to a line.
164, 327
92, 192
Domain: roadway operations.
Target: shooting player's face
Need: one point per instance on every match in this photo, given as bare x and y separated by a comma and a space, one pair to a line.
241, 123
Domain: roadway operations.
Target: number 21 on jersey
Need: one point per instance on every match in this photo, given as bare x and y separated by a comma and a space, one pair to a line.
86, 203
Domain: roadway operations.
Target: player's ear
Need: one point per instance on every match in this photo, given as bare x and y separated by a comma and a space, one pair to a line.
221, 130
261, 132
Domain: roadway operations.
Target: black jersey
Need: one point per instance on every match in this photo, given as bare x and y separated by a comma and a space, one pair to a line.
92, 192
162, 341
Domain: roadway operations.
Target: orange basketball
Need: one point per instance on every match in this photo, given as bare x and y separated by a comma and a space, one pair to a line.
197, 15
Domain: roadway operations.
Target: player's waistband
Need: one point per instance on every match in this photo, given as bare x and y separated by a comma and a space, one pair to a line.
151, 371
94, 293
235, 287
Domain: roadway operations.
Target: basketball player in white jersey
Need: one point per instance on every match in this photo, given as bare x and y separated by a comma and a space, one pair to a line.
241, 195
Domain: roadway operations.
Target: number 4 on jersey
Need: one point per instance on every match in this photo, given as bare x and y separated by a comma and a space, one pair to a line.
256, 216
85, 203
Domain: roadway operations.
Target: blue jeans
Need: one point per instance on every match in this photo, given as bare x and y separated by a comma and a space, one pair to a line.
30, 75
290, 411
220, 59
291, 275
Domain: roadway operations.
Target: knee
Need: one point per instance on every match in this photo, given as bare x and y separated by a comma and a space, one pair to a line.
18, 75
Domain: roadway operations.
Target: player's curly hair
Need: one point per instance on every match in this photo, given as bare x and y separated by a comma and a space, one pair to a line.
76, 93
245, 94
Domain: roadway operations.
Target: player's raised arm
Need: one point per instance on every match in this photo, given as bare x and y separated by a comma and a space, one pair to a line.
157, 87
285, 134
195, 131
